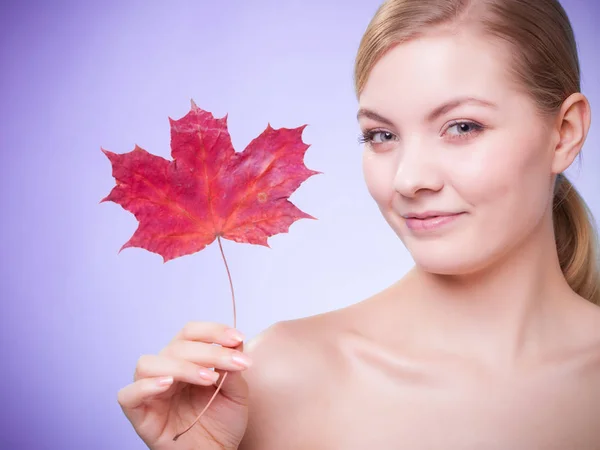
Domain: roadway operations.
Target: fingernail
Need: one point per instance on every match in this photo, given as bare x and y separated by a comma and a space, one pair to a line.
241, 359
208, 375
235, 335
165, 381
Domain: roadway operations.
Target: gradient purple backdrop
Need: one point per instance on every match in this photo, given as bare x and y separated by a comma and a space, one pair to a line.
79, 75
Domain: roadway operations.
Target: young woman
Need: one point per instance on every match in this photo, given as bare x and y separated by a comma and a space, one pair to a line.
470, 112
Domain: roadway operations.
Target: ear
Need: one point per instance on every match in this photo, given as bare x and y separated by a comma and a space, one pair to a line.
573, 123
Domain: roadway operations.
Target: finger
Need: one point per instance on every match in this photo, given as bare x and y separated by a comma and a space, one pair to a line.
235, 386
208, 355
136, 394
210, 332
221, 372
157, 366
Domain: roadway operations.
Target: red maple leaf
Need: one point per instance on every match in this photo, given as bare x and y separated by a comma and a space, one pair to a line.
209, 189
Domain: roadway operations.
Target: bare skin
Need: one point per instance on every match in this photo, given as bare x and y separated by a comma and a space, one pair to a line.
352, 379
159, 411
508, 358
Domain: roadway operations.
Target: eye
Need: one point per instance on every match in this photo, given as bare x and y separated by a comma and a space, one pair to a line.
376, 137
464, 129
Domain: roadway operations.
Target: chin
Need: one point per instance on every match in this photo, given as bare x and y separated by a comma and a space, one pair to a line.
440, 259
447, 267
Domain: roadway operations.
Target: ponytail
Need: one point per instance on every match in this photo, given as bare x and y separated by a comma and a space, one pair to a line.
576, 241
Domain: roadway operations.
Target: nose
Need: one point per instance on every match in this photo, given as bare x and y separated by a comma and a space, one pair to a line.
417, 171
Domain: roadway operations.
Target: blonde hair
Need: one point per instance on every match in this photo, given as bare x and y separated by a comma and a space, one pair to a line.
545, 64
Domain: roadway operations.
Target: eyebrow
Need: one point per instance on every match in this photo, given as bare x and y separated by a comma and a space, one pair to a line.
433, 115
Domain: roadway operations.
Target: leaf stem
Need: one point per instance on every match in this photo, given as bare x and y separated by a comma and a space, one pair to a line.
230, 282
234, 326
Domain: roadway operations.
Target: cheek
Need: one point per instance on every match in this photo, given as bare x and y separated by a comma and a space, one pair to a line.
378, 171
508, 179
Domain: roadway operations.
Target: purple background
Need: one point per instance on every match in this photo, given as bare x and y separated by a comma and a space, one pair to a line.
76, 76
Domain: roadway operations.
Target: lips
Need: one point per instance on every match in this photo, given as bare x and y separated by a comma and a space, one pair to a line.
428, 215
429, 221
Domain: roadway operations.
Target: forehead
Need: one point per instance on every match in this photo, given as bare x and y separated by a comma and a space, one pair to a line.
436, 66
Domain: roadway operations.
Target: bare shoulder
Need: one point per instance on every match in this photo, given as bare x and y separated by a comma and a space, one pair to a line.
280, 349
290, 360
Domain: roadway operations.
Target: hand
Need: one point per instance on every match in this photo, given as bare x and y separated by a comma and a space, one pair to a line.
172, 388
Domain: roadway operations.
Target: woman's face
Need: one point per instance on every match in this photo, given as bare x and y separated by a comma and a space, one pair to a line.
450, 137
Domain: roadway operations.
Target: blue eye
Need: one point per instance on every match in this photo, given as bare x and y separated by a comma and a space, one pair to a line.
465, 128
371, 137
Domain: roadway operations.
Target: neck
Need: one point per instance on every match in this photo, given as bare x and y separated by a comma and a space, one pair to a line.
505, 312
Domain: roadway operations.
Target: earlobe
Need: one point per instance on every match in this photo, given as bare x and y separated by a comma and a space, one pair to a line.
573, 125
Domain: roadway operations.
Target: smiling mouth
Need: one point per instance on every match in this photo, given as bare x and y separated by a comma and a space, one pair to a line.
430, 221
